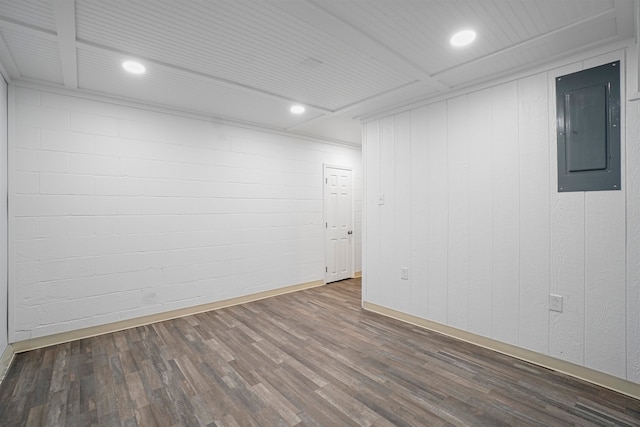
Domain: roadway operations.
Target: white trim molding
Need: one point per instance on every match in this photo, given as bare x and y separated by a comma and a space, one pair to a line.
63, 337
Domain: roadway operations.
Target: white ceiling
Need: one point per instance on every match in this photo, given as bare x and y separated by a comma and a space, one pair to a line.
249, 60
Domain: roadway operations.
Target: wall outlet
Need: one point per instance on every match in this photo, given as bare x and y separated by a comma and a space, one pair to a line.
404, 273
555, 303
381, 199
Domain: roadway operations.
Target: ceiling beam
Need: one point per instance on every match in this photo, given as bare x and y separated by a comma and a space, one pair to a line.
27, 29
82, 44
416, 86
65, 16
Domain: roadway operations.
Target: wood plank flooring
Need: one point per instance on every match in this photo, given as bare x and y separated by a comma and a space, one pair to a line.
312, 358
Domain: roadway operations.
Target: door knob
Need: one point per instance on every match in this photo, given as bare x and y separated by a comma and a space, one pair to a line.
350, 232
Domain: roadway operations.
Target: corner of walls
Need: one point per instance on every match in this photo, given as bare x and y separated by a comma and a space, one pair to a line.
632, 185
4, 135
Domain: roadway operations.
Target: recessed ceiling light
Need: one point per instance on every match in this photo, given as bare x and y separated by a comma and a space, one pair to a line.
463, 38
134, 67
297, 109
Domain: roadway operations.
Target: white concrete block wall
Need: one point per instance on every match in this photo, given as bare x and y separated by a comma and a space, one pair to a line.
121, 212
472, 209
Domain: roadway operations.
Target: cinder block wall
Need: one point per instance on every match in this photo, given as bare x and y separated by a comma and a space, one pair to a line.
120, 212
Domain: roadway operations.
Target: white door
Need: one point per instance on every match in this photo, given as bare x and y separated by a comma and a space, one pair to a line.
338, 216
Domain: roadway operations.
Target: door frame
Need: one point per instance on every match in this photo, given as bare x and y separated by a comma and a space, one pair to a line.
326, 166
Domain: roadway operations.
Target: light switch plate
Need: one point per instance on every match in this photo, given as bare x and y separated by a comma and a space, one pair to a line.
555, 303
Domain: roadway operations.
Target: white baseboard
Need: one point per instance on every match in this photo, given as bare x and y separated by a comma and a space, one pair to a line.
63, 337
590, 375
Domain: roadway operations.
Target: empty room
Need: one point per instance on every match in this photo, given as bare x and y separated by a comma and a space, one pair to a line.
319, 213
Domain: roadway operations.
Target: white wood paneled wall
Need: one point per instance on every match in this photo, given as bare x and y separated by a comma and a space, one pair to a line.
471, 208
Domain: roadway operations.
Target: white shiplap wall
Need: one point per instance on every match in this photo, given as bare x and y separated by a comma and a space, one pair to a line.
121, 212
471, 208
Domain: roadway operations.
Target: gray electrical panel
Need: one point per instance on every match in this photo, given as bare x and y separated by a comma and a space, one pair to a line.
588, 127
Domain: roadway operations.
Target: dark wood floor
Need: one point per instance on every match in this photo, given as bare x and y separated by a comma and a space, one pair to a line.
309, 358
